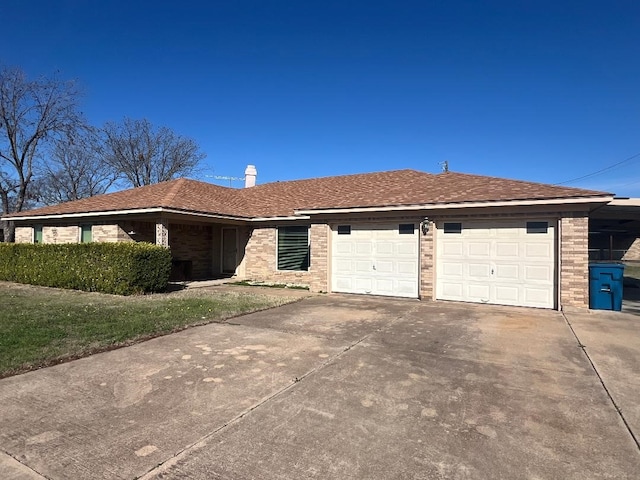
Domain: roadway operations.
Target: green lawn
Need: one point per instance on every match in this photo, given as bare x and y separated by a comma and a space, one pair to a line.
43, 326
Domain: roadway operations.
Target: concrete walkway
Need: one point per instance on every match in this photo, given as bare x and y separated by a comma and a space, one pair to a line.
336, 387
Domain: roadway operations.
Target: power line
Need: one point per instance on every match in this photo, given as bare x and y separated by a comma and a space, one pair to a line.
610, 167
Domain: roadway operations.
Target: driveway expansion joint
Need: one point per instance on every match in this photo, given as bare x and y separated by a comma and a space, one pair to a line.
604, 386
31, 469
201, 442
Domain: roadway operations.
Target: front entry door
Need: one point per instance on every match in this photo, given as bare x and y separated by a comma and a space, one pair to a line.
229, 250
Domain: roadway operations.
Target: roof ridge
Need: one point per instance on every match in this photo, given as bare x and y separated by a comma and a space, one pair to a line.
347, 175
173, 191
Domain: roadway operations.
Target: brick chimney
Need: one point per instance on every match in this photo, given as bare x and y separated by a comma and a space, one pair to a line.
250, 176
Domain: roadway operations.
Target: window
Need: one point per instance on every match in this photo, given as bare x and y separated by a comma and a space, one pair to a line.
37, 234
85, 233
406, 229
344, 229
537, 227
293, 248
452, 227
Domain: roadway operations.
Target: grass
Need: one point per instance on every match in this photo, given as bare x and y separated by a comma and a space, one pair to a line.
42, 326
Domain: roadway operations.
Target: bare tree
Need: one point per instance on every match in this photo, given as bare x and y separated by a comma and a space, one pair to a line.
75, 170
143, 154
33, 113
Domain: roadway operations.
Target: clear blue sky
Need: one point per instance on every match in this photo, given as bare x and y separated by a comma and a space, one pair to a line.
536, 90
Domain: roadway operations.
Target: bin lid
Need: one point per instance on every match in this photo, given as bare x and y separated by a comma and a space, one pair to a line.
606, 265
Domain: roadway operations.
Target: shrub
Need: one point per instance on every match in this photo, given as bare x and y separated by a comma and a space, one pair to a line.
118, 268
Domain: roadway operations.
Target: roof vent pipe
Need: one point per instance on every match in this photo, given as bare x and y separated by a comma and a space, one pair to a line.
250, 176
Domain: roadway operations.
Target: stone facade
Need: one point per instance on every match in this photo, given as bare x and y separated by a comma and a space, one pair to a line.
574, 260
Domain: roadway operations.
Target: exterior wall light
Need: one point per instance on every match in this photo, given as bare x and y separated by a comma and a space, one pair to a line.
424, 226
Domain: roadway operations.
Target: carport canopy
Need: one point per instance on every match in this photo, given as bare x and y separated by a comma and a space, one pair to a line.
613, 229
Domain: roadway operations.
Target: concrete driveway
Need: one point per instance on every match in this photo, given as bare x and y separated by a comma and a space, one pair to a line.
337, 387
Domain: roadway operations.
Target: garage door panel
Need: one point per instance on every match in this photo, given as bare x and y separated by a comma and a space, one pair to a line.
452, 269
344, 249
364, 248
384, 248
384, 286
453, 249
384, 266
407, 249
407, 268
507, 250
343, 283
507, 272
363, 284
478, 292
494, 261
541, 273
536, 296
507, 294
479, 249
537, 250
479, 270
452, 291
363, 266
343, 266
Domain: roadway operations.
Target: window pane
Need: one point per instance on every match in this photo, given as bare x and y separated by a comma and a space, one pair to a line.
406, 228
85, 235
537, 227
37, 234
293, 248
452, 227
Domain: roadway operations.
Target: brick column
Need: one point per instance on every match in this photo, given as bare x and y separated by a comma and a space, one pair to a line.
427, 259
162, 232
319, 241
574, 261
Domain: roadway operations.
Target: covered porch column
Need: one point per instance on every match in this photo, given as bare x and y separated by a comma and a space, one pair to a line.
162, 232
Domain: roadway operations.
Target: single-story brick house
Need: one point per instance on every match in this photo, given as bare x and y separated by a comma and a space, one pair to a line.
448, 236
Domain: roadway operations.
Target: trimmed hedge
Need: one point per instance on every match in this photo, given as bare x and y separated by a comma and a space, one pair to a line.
117, 268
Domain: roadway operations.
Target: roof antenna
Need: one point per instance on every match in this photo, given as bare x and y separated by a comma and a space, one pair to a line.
445, 165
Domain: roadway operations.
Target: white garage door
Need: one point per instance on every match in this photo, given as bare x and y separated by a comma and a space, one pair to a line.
375, 259
505, 263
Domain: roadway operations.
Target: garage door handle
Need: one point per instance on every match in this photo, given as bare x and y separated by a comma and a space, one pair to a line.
374, 267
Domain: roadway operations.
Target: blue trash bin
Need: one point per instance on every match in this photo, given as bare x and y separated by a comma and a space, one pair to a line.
606, 281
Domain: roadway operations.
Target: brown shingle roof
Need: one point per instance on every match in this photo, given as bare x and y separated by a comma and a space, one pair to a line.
392, 188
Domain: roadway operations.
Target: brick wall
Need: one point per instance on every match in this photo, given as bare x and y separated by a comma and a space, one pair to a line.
319, 235
24, 235
104, 233
427, 264
60, 234
193, 243
574, 260
260, 262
